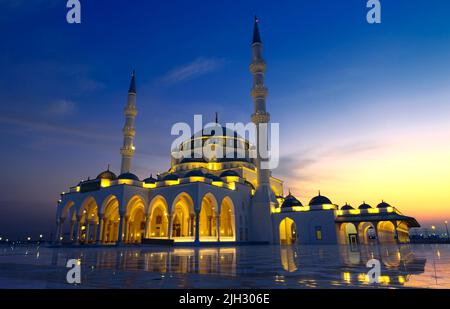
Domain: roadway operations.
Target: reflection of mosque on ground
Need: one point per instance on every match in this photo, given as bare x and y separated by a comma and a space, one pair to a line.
292, 266
348, 263
220, 261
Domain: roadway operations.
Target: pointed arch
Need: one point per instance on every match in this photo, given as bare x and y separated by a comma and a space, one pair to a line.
88, 220
111, 214
227, 220
366, 232
348, 233
183, 218
288, 231
386, 232
209, 211
135, 220
158, 222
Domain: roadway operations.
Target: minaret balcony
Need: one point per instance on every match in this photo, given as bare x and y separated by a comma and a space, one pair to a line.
259, 92
258, 67
260, 118
130, 112
128, 152
129, 131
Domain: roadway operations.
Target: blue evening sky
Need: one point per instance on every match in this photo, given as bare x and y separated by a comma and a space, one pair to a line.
336, 85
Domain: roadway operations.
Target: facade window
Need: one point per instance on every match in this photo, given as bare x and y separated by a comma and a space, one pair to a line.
318, 232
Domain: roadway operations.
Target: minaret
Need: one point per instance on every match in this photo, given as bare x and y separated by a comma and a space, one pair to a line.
264, 197
129, 131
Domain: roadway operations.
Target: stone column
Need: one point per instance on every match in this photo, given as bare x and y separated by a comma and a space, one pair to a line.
395, 231
95, 234
191, 225
126, 231
88, 230
170, 217
101, 219
72, 228
78, 230
147, 226
121, 227
197, 227
218, 227
375, 227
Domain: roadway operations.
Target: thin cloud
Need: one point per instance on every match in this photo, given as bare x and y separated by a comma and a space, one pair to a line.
33, 126
194, 69
61, 108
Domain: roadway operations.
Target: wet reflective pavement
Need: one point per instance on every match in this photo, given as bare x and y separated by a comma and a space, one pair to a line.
402, 266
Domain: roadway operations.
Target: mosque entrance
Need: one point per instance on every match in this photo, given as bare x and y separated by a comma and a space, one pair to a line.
288, 232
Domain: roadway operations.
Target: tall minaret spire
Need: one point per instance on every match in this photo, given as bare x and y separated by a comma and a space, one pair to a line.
264, 199
259, 94
129, 131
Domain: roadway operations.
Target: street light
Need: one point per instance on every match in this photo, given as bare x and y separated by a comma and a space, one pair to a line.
446, 228
433, 228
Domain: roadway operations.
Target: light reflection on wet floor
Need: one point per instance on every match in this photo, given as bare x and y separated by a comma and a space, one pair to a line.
424, 266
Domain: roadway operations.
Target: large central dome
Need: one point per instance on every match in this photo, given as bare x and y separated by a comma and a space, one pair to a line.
213, 144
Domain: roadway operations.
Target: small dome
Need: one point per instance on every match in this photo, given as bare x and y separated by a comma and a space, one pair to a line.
129, 176
171, 177
319, 200
213, 177
290, 201
346, 207
150, 179
194, 173
229, 173
383, 204
107, 175
364, 206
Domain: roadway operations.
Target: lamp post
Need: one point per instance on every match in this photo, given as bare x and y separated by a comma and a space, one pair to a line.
433, 228
446, 228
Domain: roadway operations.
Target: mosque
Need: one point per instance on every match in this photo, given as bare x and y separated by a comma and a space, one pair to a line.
201, 201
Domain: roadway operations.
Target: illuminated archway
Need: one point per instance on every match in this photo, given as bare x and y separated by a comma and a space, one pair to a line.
403, 232
348, 233
208, 218
288, 232
68, 219
136, 220
159, 222
366, 232
89, 221
227, 220
183, 217
111, 221
386, 232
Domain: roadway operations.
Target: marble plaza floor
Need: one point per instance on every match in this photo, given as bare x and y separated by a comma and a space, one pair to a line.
405, 266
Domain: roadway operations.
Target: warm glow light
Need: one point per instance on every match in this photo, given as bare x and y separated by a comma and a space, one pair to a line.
104, 183
172, 182
197, 179
125, 181
217, 183
214, 166
149, 185
354, 211
373, 210
346, 277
